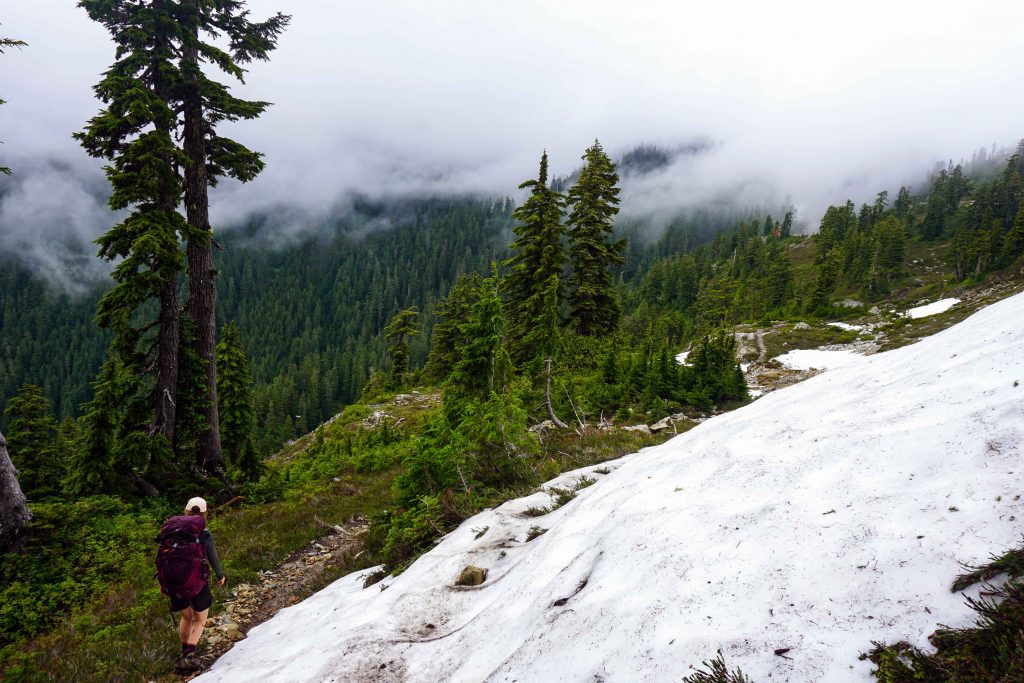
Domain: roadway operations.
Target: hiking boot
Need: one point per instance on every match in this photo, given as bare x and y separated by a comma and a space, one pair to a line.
188, 663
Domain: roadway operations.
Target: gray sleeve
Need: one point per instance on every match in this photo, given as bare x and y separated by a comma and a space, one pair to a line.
211, 553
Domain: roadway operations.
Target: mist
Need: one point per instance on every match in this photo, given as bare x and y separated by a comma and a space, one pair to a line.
798, 103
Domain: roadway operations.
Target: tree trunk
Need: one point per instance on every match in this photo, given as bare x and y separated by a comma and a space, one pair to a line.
144, 487
14, 512
167, 360
167, 364
201, 273
547, 398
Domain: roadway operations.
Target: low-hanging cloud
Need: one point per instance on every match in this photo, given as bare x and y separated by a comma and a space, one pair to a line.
800, 103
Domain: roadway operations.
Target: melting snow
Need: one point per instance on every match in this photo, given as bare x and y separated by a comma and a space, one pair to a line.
681, 357
940, 306
820, 359
818, 518
847, 326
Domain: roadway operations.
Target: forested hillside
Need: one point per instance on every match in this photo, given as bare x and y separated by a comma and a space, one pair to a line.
311, 312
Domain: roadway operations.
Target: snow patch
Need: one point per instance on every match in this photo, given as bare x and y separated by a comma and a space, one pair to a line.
818, 518
819, 359
681, 357
940, 306
847, 326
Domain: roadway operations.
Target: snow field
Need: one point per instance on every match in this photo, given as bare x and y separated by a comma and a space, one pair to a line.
819, 518
934, 308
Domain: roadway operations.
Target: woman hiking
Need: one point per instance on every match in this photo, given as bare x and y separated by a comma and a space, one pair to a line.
185, 546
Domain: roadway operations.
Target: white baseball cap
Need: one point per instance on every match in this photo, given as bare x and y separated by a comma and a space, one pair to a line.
196, 502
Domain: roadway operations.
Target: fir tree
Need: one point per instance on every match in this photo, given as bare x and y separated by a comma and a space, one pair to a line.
780, 278
828, 280
234, 391
136, 133
447, 337
484, 365
206, 104
32, 442
1013, 244
787, 225
594, 308
537, 256
902, 204
404, 325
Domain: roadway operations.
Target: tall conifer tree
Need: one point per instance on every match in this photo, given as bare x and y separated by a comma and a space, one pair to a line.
206, 104
594, 307
135, 133
537, 257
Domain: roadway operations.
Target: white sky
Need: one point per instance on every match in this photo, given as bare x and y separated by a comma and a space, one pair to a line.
808, 100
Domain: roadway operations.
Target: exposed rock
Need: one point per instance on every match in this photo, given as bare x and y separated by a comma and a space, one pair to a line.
638, 428
850, 303
471, 576
801, 326
661, 425
231, 631
875, 310
542, 427
375, 419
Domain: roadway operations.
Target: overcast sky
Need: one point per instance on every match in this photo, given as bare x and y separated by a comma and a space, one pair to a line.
804, 99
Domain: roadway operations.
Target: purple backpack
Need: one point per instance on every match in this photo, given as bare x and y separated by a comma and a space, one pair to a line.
181, 558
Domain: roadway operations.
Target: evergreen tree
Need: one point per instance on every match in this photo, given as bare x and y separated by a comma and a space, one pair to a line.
787, 225
594, 308
454, 312
234, 391
780, 278
32, 442
206, 104
136, 133
881, 201
405, 324
484, 365
537, 257
1013, 244
902, 204
4, 44
102, 463
544, 337
828, 280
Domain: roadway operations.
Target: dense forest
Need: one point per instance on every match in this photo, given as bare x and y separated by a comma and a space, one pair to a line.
311, 314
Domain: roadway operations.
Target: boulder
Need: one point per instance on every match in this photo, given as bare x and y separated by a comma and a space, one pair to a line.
542, 427
801, 326
232, 631
471, 576
661, 425
638, 428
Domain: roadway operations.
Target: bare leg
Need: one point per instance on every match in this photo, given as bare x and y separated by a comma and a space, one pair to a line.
185, 625
198, 623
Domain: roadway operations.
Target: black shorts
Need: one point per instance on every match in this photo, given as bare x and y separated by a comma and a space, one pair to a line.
200, 602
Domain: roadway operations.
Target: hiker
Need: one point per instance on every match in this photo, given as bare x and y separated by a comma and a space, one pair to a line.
185, 546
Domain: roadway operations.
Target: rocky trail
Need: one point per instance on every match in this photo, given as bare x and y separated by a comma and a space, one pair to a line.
294, 579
